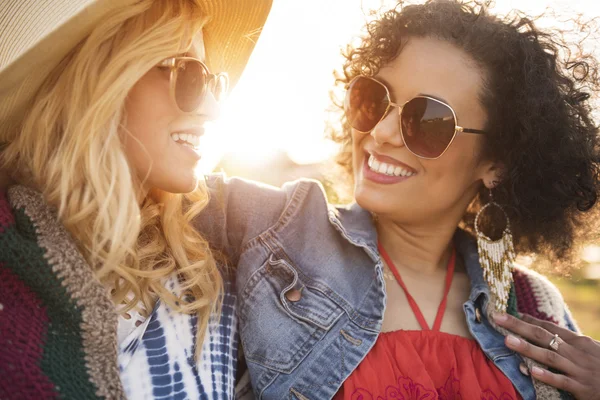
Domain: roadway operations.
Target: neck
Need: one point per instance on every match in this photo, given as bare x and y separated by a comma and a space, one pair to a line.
423, 249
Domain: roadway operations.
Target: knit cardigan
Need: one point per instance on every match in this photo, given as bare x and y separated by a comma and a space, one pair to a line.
58, 326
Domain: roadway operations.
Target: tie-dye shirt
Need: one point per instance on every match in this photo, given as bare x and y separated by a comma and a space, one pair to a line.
156, 359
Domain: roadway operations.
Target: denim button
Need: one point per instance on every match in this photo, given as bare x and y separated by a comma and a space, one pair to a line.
524, 370
294, 295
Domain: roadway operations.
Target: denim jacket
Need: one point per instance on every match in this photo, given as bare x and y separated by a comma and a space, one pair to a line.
311, 288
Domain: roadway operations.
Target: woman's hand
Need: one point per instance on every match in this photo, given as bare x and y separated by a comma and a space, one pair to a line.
577, 357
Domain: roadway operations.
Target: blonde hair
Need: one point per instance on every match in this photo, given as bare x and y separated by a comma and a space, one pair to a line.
69, 147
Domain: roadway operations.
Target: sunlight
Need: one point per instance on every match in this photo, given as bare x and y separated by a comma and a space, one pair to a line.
280, 104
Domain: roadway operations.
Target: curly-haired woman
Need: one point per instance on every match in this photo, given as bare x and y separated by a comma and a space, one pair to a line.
106, 288
459, 125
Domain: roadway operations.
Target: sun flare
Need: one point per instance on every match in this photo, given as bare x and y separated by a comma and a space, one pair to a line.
281, 102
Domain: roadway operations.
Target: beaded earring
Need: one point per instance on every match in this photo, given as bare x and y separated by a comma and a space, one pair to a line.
496, 258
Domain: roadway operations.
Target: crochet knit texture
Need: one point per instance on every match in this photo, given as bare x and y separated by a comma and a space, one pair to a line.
58, 327
57, 324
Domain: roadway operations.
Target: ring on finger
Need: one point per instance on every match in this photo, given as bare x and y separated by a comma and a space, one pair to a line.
555, 342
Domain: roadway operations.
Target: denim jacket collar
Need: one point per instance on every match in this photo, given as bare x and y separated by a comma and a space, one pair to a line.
357, 225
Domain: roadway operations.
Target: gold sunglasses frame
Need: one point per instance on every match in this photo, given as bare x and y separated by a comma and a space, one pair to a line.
391, 105
210, 82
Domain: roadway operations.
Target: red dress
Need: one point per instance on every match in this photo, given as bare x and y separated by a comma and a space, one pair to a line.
426, 364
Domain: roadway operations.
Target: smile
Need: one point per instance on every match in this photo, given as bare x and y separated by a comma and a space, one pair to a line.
186, 139
387, 169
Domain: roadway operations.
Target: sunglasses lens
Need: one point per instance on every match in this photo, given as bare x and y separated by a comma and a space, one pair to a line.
365, 103
189, 88
427, 126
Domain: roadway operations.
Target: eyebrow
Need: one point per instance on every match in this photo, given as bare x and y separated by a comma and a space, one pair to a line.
435, 97
393, 93
188, 54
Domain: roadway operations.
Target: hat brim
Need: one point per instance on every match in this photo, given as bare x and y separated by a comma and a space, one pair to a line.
230, 35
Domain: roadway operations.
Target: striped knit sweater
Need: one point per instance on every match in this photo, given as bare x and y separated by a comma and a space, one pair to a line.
58, 327
533, 294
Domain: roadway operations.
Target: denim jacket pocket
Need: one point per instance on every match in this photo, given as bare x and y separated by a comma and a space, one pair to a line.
282, 317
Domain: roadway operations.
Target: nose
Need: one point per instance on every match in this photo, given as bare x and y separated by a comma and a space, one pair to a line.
209, 110
387, 131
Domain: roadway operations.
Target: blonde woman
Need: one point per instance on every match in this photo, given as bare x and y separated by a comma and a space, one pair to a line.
106, 290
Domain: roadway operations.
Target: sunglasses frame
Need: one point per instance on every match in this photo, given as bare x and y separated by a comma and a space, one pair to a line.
400, 108
210, 79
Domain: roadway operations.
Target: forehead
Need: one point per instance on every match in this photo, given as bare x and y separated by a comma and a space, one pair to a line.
197, 49
433, 67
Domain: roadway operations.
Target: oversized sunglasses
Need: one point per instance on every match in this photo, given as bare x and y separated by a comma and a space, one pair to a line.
428, 126
190, 80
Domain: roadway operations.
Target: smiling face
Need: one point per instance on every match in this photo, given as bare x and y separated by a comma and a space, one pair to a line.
393, 182
162, 143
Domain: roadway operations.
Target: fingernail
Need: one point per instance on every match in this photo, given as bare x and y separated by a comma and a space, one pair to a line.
513, 341
524, 370
537, 371
500, 317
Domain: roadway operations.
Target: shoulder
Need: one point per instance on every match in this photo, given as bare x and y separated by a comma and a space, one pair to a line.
540, 298
242, 195
220, 182
54, 285
240, 210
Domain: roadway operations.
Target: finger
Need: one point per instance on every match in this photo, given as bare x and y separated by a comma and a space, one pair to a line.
551, 327
585, 344
535, 334
588, 347
546, 357
559, 381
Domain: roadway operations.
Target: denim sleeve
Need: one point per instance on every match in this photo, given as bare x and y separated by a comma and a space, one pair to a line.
238, 211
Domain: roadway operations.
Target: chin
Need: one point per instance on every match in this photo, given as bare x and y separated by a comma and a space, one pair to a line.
368, 202
186, 187
367, 199
178, 184
374, 200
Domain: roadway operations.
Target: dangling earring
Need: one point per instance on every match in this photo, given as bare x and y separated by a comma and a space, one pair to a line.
496, 258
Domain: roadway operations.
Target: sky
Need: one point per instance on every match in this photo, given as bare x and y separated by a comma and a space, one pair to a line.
281, 102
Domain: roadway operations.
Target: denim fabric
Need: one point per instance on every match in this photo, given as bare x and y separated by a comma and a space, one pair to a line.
291, 239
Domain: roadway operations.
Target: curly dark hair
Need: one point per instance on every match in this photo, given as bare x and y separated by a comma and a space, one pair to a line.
538, 98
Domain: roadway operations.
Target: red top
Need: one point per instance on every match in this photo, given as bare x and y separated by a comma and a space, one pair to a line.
426, 364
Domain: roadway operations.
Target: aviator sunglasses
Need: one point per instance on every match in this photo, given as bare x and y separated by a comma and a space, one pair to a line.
428, 126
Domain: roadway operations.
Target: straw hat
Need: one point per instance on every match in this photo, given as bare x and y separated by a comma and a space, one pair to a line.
35, 35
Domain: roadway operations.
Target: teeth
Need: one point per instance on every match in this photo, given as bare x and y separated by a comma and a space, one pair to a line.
186, 139
387, 169
375, 166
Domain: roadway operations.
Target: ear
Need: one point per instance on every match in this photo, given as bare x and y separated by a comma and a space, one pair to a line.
493, 175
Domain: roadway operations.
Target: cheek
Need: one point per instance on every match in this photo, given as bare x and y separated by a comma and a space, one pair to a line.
153, 156
358, 142
145, 132
140, 137
455, 172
